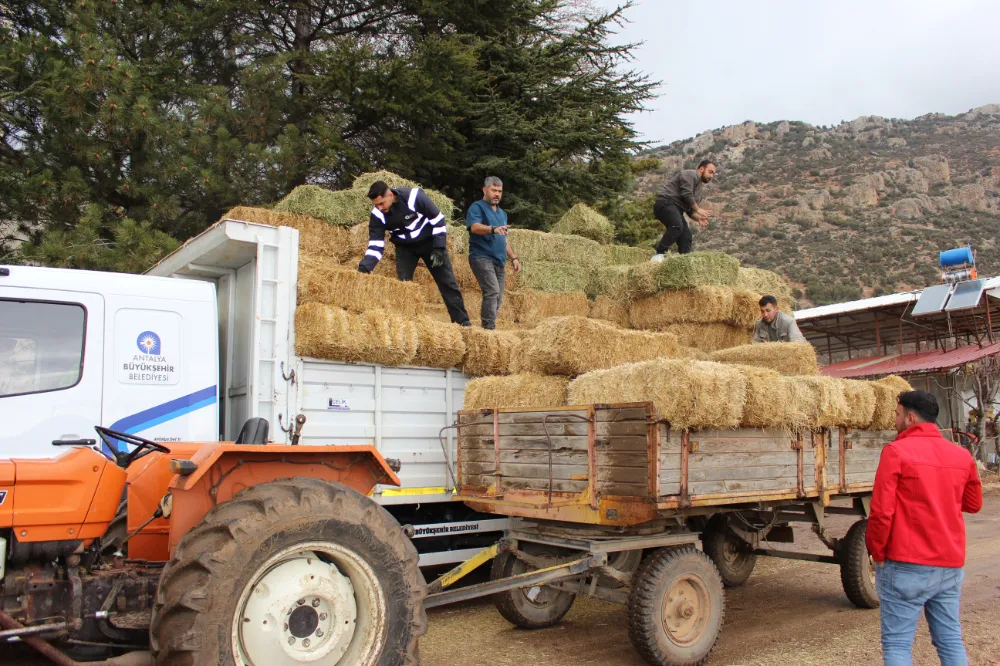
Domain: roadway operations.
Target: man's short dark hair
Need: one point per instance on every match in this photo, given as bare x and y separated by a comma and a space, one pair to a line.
920, 403
764, 300
705, 163
378, 189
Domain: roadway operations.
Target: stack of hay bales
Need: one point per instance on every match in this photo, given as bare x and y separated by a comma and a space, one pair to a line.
585, 322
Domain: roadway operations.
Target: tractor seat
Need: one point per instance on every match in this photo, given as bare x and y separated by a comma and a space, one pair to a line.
254, 431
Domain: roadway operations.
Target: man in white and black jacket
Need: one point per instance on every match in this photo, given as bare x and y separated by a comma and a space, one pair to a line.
418, 230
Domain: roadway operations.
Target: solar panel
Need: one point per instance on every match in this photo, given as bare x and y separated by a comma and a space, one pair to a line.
966, 295
932, 300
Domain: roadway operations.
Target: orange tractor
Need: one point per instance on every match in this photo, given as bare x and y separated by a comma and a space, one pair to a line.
245, 553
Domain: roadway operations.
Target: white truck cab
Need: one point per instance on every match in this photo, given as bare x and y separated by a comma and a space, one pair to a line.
79, 348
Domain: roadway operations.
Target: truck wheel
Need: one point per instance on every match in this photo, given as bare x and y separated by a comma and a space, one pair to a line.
676, 607
857, 570
295, 571
528, 607
733, 557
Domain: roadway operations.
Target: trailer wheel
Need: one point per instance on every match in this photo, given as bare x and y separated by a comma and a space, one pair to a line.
676, 607
857, 570
733, 557
528, 607
295, 571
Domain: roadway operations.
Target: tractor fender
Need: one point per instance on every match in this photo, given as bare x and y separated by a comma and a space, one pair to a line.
222, 470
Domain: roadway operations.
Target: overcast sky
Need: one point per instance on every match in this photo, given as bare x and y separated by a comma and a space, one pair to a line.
727, 61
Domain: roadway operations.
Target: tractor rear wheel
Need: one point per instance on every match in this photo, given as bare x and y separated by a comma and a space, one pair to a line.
295, 571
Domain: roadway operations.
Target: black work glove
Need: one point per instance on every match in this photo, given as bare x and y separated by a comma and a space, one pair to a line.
437, 257
364, 269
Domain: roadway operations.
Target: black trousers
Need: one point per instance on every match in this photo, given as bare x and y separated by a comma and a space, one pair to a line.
407, 257
677, 231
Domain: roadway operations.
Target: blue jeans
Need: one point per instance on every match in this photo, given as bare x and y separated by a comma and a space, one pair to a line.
904, 590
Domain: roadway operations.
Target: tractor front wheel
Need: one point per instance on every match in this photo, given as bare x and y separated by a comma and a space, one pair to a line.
295, 571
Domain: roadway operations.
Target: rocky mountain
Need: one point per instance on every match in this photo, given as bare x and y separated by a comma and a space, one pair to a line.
858, 209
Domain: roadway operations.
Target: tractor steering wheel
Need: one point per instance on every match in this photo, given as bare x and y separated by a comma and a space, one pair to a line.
126, 458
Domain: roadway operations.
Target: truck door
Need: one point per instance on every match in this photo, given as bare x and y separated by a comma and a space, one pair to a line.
51, 358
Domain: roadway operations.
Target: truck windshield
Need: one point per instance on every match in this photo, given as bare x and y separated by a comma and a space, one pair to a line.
41, 346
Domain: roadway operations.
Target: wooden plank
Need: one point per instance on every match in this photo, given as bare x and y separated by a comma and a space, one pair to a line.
560, 456
576, 443
667, 489
786, 473
855, 467
861, 477
564, 416
617, 414
716, 487
576, 428
721, 446
627, 443
670, 460
540, 485
623, 489
559, 472
730, 460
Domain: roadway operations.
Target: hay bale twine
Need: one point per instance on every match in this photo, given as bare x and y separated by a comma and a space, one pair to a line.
575, 345
439, 345
688, 394
607, 309
787, 358
539, 246
375, 336
582, 220
358, 292
708, 304
489, 352
521, 391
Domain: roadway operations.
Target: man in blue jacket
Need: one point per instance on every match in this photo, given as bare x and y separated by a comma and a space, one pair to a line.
418, 230
489, 248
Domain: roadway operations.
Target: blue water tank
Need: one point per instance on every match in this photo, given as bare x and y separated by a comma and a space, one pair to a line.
956, 257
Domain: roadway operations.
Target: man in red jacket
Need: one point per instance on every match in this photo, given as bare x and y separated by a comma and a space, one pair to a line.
916, 533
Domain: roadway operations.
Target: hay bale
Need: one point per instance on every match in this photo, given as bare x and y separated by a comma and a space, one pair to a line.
357, 292
343, 208
860, 397
489, 352
522, 391
681, 271
552, 276
819, 401
887, 392
376, 336
746, 309
706, 304
623, 283
532, 246
709, 337
767, 400
606, 308
688, 394
365, 180
765, 283
316, 237
786, 358
439, 345
575, 345
627, 255
582, 220
692, 353
528, 307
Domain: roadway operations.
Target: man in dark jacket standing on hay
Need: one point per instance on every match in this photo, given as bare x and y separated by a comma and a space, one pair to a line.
418, 230
489, 249
682, 194
916, 533
774, 325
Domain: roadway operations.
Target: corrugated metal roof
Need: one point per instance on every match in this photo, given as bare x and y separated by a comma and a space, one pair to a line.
933, 360
992, 286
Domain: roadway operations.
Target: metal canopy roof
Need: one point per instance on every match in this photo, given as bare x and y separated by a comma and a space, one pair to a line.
932, 360
885, 323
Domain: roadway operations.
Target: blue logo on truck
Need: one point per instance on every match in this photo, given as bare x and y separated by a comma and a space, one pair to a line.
148, 342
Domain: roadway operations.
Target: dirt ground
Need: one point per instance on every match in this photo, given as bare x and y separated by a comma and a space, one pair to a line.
788, 613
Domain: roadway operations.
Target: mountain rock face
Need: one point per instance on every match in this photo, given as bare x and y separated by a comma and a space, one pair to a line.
854, 210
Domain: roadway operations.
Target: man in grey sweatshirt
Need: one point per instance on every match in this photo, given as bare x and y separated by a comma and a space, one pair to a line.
681, 194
